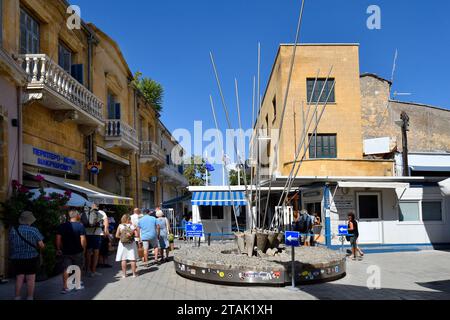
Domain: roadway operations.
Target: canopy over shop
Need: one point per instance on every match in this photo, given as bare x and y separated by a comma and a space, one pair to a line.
91, 192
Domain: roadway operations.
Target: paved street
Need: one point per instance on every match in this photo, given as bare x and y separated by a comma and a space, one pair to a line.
406, 275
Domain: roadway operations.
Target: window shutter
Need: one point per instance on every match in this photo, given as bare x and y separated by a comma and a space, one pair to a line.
118, 115
77, 72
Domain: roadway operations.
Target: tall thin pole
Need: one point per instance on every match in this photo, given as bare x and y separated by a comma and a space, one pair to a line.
291, 69
224, 163
229, 126
303, 123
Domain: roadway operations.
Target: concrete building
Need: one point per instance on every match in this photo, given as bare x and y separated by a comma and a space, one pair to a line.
352, 163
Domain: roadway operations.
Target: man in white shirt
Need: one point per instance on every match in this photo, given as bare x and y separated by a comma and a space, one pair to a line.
98, 227
135, 217
135, 222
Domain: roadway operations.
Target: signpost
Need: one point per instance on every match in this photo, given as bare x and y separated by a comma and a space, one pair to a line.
342, 233
292, 239
343, 230
194, 230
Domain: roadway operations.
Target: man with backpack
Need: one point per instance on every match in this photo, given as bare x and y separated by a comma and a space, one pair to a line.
97, 226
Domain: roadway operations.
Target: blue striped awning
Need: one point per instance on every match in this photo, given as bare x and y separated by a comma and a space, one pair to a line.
218, 198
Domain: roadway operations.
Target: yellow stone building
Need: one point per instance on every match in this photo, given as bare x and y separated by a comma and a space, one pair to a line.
152, 157
67, 101
339, 150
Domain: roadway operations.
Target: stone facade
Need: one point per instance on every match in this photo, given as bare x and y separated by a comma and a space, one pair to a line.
87, 113
429, 126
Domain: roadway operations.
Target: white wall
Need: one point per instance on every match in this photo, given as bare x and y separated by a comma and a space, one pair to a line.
214, 226
388, 229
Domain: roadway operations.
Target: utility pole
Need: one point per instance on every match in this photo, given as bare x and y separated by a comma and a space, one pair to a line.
405, 128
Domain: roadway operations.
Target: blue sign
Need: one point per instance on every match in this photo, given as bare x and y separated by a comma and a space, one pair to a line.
194, 230
292, 238
343, 230
50, 160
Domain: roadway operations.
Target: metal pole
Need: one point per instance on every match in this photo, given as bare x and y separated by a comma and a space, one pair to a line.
291, 69
405, 128
293, 267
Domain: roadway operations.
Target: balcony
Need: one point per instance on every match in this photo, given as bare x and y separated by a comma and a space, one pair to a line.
152, 153
120, 134
171, 174
59, 91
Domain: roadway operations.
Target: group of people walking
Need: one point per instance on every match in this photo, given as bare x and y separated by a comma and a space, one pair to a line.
80, 239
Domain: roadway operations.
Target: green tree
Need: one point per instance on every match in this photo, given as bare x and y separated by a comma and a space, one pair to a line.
152, 91
233, 176
195, 171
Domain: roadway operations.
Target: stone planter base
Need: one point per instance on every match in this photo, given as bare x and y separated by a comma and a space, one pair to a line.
222, 264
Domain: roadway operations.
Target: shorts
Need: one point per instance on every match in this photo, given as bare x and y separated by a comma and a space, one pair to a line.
151, 243
73, 260
163, 243
104, 246
93, 242
25, 266
353, 242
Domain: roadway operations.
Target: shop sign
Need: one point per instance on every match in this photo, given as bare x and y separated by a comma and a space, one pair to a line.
94, 167
50, 160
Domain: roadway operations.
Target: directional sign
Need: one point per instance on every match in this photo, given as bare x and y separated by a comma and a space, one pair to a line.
343, 230
292, 238
194, 230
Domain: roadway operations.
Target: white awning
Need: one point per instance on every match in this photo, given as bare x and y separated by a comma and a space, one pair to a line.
373, 185
445, 187
93, 193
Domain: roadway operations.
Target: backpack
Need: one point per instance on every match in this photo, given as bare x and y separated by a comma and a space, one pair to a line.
90, 220
126, 235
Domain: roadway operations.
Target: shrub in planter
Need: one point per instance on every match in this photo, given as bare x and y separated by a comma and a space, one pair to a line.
47, 209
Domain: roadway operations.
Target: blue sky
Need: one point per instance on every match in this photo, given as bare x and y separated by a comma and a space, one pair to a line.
170, 41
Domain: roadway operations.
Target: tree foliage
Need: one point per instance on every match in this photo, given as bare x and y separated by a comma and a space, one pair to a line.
195, 171
152, 91
234, 177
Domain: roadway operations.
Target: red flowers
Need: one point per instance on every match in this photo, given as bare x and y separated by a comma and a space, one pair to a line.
39, 178
23, 189
68, 194
15, 184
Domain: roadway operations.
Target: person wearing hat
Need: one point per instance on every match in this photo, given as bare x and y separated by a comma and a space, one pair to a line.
164, 227
25, 244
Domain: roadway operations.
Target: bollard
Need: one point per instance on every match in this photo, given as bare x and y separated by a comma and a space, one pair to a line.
199, 241
209, 239
222, 235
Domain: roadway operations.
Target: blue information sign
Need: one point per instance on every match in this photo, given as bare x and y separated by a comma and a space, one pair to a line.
194, 230
343, 230
292, 238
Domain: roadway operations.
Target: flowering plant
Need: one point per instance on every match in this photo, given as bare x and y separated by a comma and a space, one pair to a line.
47, 209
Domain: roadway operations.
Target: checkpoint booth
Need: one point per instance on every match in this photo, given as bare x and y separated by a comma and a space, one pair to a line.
214, 207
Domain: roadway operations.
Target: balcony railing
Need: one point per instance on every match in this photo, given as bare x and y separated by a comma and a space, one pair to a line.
173, 174
44, 73
119, 130
151, 151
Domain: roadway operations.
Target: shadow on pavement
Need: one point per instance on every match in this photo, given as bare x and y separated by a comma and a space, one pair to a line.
334, 291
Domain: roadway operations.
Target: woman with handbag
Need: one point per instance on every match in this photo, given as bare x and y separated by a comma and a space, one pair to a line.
127, 250
25, 243
353, 230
